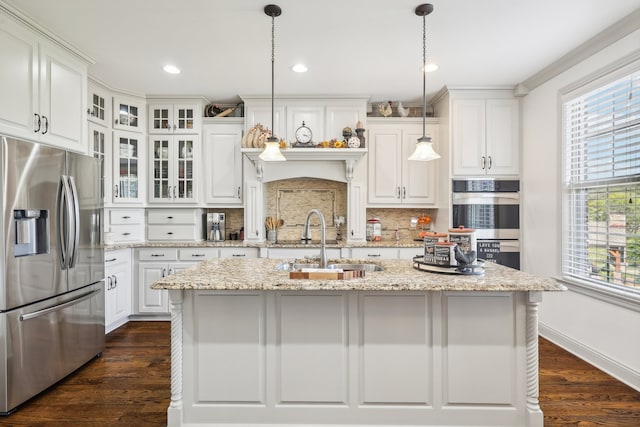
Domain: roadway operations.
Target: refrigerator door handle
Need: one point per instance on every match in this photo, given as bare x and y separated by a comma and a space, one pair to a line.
58, 307
63, 214
73, 253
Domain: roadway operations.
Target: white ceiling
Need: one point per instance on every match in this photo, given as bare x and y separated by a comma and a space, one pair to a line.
352, 47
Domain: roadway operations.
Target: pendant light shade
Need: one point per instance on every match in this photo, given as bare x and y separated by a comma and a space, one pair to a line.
424, 148
271, 151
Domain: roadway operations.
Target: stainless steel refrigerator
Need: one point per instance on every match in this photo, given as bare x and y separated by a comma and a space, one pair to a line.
51, 267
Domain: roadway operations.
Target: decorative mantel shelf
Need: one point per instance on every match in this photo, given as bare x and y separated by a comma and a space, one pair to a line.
310, 156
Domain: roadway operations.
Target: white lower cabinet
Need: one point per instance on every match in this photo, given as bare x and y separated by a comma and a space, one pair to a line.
374, 253
291, 253
239, 252
154, 264
117, 288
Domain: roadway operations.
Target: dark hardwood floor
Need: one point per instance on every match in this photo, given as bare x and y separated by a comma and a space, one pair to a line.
130, 386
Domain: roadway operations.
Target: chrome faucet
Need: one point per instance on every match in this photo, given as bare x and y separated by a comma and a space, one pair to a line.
323, 231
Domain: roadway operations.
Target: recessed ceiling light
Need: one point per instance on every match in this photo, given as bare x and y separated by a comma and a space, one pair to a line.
171, 69
430, 67
299, 68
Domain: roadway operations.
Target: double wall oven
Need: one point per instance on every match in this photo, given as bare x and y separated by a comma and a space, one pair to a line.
492, 207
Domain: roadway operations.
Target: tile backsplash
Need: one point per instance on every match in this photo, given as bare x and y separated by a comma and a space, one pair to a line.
291, 199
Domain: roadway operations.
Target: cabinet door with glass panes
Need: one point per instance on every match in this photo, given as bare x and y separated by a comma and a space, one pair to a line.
100, 146
129, 114
172, 175
128, 168
98, 104
174, 118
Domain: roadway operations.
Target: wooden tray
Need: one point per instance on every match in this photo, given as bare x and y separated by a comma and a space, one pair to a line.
327, 275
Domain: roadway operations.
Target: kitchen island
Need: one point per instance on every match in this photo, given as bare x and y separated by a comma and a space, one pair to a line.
398, 347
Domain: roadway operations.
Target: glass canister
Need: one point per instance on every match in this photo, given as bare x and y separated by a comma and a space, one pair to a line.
374, 230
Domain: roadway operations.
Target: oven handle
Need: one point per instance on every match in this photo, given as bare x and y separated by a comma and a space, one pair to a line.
486, 198
58, 307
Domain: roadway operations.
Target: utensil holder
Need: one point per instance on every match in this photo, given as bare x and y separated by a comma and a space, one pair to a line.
272, 236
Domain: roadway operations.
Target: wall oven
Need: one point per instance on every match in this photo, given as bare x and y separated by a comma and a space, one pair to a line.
492, 208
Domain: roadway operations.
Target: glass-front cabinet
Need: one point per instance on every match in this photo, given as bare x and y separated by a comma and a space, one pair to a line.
128, 114
172, 168
128, 162
100, 144
98, 104
174, 118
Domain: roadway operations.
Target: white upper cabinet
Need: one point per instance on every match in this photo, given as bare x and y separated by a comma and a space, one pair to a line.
393, 179
178, 118
485, 137
311, 117
129, 113
98, 104
43, 89
223, 160
172, 168
128, 168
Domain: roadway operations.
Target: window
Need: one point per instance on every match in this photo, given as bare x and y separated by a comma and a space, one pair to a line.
602, 184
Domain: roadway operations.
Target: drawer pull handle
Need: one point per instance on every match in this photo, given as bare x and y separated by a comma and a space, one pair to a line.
111, 260
170, 217
237, 255
126, 217
373, 255
170, 233
197, 254
157, 254
126, 234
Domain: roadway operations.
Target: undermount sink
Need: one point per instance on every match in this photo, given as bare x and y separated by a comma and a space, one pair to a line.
362, 266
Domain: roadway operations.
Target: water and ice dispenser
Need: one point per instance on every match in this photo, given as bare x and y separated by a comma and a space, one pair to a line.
31, 229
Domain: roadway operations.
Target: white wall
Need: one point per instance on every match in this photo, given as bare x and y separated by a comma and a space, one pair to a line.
603, 333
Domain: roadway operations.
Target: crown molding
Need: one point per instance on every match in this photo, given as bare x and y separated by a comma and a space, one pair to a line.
595, 44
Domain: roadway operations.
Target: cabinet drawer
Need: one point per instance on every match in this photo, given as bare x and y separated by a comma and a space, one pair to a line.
332, 253
374, 253
121, 256
409, 253
158, 254
127, 233
198, 254
173, 232
238, 252
126, 216
173, 216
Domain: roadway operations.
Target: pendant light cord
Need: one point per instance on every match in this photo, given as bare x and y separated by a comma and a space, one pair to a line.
424, 76
273, 60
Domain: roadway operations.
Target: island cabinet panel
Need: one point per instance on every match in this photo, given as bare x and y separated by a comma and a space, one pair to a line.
353, 358
480, 356
232, 364
312, 347
396, 349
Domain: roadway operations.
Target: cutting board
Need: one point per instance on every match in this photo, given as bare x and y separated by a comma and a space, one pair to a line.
327, 275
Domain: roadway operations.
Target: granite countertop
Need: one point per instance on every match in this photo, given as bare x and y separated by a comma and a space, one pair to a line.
403, 243
399, 275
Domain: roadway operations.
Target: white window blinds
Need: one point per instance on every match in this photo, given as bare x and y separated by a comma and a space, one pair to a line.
602, 183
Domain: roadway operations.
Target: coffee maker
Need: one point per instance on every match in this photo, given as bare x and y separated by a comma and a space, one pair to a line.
216, 229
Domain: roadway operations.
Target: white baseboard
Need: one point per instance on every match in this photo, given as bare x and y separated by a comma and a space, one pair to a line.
612, 367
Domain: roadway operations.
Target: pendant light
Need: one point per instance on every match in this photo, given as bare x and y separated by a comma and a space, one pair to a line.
271, 151
424, 148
